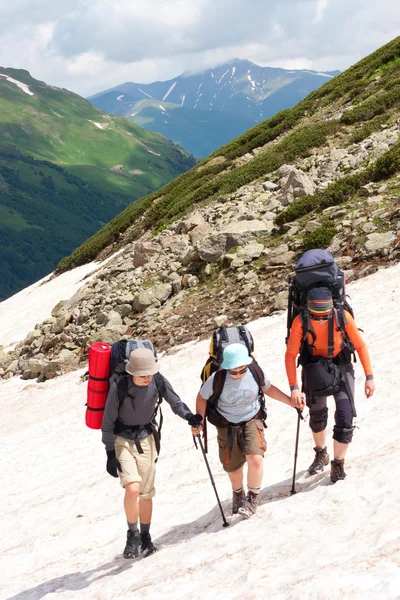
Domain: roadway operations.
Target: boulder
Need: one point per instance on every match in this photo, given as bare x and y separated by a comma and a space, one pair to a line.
297, 183
200, 232
176, 244
268, 185
378, 242
251, 250
212, 247
220, 320
162, 292
194, 220
144, 253
144, 299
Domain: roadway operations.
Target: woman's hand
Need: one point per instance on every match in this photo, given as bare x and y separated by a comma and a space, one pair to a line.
369, 388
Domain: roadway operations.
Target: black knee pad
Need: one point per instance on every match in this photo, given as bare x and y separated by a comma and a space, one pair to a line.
343, 435
318, 419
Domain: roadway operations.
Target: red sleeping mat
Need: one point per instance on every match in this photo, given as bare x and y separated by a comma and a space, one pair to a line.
98, 384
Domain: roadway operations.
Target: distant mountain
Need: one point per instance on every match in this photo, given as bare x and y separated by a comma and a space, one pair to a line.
66, 169
231, 98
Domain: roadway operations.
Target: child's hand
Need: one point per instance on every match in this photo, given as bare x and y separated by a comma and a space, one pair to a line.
297, 399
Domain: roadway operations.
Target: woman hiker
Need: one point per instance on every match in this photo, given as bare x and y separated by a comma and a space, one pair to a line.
239, 416
314, 350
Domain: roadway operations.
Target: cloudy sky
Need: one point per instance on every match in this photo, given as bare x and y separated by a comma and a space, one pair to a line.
90, 45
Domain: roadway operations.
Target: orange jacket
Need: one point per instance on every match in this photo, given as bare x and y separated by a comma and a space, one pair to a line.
321, 344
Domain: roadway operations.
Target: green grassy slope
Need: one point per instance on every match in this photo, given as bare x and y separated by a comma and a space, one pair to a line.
370, 93
89, 166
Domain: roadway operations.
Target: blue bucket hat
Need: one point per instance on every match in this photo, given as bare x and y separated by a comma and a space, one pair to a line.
235, 355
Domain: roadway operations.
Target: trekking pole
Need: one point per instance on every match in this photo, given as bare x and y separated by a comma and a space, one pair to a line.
299, 416
226, 524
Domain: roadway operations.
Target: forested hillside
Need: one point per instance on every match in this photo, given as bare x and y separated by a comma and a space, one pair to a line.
66, 169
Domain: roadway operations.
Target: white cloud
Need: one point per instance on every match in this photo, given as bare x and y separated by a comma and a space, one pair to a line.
321, 6
89, 45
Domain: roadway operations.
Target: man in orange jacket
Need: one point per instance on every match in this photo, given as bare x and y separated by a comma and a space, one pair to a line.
318, 361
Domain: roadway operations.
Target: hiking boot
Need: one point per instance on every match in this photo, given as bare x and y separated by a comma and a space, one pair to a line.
249, 506
337, 469
238, 498
132, 544
320, 461
147, 547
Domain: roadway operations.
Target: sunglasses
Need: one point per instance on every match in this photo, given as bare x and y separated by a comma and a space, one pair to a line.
240, 372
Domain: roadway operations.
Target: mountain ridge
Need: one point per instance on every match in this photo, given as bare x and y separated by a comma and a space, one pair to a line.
238, 89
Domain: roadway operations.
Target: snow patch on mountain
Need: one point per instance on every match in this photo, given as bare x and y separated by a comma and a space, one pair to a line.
222, 76
148, 95
169, 91
99, 125
23, 86
39, 299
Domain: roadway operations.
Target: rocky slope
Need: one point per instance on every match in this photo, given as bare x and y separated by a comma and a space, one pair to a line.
226, 260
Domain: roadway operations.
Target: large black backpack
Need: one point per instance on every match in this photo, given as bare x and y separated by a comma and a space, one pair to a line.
317, 268
221, 338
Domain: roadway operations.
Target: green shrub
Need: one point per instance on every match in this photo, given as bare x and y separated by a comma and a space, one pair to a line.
320, 237
370, 108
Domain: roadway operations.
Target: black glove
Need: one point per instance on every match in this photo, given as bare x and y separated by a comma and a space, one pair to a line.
194, 420
113, 464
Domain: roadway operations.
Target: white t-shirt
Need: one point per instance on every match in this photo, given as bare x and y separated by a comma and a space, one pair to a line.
239, 400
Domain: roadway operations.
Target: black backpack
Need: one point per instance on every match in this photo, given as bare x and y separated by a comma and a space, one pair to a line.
221, 338
120, 353
317, 268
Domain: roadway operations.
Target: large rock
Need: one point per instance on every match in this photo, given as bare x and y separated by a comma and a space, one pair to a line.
107, 334
114, 319
280, 256
200, 232
378, 242
177, 244
297, 183
212, 248
247, 227
250, 251
144, 253
194, 220
144, 299
162, 292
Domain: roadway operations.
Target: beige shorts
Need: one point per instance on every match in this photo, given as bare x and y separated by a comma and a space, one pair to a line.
254, 443
137, 468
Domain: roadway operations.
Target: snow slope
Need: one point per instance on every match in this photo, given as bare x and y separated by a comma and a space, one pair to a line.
63, 527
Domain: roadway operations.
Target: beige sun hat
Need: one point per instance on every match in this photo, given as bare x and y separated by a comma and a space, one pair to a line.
141, 363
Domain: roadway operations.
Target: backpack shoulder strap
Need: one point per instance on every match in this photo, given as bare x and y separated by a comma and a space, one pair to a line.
243, 336
160, 384
122, 383
218, 386
257, 373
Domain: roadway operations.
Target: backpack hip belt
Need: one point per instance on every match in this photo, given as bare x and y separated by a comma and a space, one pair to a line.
151, 429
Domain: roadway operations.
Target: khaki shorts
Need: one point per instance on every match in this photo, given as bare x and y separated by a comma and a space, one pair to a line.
137, 468
254, 444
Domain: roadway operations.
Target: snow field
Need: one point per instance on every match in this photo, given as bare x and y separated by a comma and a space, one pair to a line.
63, 526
